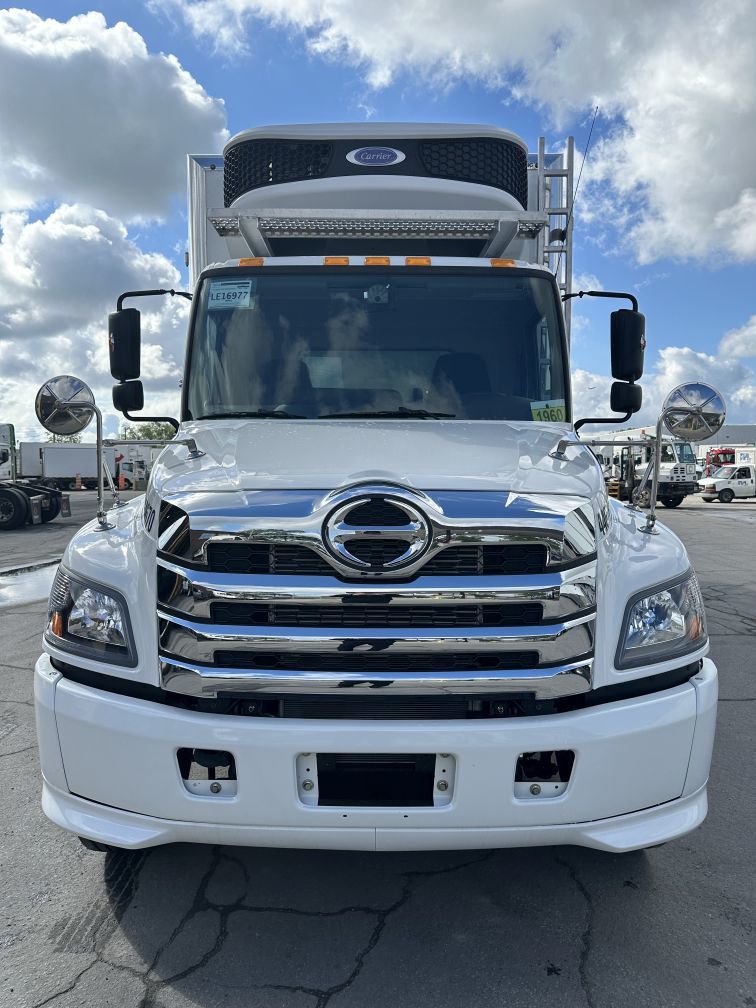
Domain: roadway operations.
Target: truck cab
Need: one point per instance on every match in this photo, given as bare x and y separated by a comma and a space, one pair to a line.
376, 596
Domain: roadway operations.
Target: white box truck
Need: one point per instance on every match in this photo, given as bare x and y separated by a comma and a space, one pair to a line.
62, 466
376, 596
733, 481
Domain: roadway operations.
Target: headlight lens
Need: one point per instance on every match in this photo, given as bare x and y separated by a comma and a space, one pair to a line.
89, 620
667, 623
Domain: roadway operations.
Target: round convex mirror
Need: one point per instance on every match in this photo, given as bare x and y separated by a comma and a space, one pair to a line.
64, 405
694, 412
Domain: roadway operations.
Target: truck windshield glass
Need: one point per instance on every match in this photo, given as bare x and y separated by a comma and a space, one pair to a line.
685, 453
483, 346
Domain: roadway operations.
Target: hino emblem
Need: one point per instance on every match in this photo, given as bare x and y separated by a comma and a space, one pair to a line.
376, 533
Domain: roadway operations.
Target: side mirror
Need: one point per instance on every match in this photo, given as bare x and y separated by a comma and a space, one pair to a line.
694, 412
628, 335
124, 342
128, 396
65, 405
625, 398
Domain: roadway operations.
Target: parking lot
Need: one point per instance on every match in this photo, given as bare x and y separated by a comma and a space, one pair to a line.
185, 925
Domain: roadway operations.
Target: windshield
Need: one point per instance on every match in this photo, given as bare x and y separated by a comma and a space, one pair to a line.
685, 453
726, 472
473, 345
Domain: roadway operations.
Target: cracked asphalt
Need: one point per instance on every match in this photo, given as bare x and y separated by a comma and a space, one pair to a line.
185, 925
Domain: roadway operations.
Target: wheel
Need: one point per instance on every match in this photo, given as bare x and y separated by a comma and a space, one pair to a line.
643, 499
671, 502
726, 496
71, 485
52, 511
14, 508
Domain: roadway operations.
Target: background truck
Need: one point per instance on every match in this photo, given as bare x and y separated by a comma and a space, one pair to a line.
59, 465
625, 464
376, 596
726, 455
730, 482
24, 501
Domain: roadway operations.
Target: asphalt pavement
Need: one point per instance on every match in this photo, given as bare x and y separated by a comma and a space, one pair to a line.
186, 925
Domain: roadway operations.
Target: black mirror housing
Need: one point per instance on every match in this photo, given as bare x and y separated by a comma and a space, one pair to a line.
628, 335
625, 398
124, 341
128, 396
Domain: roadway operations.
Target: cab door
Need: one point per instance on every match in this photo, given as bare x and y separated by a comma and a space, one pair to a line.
743, 482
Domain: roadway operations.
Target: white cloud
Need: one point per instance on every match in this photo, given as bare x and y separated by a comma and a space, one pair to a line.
88, 114
674, 366
59, 278
678, 81
740, 342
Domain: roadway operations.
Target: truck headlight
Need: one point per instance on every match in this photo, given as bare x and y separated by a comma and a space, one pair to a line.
668, 622
89, 620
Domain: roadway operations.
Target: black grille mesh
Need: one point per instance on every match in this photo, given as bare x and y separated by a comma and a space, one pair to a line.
255, 163
454, 561
376, 512
485, 160
376, 661
370, 615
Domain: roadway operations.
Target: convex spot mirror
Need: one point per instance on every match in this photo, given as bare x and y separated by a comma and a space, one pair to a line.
625, 398
694, 412
628, 336
64, 405
124, 338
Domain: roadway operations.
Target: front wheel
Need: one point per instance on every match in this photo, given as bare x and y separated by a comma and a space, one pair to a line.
52, 511
671, 502
14, 508
726, 496
643, 499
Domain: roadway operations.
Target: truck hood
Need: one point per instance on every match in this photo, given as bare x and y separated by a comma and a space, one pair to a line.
242, 455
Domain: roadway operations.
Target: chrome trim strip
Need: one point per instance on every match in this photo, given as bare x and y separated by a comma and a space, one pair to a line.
561, 593
554, 642
191, 680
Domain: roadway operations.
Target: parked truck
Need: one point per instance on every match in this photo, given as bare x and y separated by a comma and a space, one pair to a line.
62, 466
625, 456
24, 501
376, 596
736, 480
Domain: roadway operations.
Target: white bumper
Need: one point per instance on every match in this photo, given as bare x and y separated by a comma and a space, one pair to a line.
639, 778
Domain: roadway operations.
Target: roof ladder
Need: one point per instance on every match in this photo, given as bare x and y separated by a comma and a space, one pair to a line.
555, 197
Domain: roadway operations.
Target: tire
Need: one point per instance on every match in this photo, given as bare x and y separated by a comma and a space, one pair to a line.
52, 511
726, 496
71, 485
14, 508
671, 502
644, 500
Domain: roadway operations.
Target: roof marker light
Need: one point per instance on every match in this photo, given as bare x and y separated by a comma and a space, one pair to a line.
336, 260
256, 261
377, 260
503, 262
417, 261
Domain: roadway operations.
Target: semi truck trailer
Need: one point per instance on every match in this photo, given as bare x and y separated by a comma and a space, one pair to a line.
376, 596
62, 466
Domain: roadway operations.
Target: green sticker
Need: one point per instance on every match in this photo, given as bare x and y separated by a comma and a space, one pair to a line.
552, 410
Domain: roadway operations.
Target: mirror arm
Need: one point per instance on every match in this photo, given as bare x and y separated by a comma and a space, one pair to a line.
150, 293
610, 294
604, 420
152, 419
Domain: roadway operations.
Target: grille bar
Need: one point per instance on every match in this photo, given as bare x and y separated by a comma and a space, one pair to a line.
216, 681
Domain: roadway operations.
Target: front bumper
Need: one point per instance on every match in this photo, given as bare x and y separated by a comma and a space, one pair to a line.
110, 774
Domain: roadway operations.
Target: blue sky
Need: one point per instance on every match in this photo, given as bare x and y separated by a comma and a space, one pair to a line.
667, 209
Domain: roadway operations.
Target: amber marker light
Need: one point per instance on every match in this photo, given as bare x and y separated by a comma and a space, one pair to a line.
257, 261
56, 624
503, 262
417, 261
377, 260
336, 261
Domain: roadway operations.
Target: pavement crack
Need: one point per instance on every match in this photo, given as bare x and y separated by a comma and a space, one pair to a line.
586, 937
70, 987
15, 752
736, 699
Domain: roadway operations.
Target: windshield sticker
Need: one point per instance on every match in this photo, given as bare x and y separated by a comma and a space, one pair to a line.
554, 410
231, 294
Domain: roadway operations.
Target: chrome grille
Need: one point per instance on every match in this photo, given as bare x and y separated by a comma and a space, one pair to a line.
502, 600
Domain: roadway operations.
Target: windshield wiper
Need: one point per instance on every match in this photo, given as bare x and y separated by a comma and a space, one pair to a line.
253, 413
402, 412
